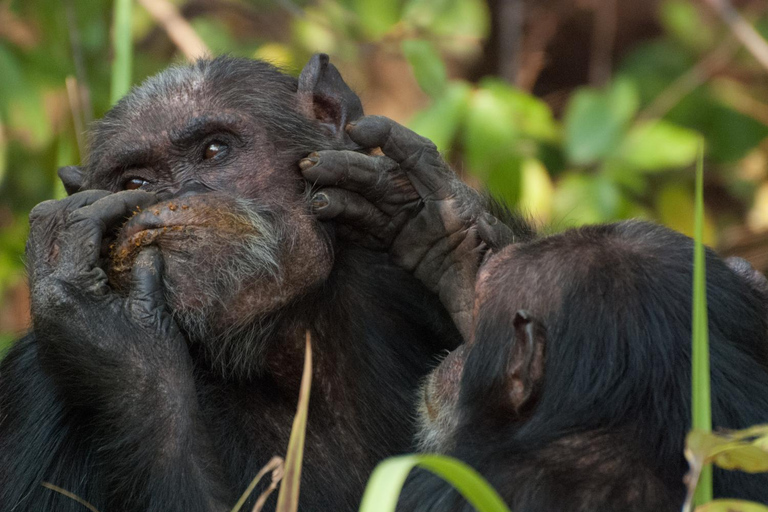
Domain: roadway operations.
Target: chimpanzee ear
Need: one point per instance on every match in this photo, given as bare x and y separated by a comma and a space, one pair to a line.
323, 95
72, 178
526, 363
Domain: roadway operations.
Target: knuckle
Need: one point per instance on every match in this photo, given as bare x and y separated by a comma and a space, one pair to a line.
50, 297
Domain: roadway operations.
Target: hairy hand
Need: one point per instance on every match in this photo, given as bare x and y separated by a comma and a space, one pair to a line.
410, 203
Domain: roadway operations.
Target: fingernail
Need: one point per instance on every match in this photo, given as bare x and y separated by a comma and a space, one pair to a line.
350, 125
319, 201
310, 161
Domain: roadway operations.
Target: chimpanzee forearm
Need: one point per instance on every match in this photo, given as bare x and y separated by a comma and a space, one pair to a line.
130, 371
411, 204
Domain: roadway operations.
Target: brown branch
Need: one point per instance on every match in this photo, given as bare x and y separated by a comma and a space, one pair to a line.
697, 76
603, 38
511, 14
742, 30
75, 95
178, 29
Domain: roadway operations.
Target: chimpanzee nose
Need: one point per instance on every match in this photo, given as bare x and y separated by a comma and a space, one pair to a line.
187, 190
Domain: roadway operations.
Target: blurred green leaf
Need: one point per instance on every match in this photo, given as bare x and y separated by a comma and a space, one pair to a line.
386, 482
489, 134
457, 21
683, 20
536, 190
503, 179
595, 121
659, 145
427, 66
675, 209
376, 17
441, 120
531, 116
586, 199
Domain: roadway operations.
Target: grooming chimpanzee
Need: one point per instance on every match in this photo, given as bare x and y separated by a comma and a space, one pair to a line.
163, 366
573, 393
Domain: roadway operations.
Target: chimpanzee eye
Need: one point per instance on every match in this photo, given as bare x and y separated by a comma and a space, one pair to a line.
134, 183
214, 149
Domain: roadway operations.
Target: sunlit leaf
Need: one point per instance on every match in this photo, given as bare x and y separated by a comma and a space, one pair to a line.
313, 35
586, 199
595, 121
503, 179
675, 209
426, 64
536, 191
658, 145
441, 120
275, 53
376, 17
684, 21
531, 116
386, 482
489, 134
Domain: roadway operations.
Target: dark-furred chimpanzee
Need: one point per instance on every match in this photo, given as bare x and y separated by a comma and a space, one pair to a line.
573, 393
163, 366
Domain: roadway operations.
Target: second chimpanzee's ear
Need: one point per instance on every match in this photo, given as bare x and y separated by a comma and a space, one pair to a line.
72, 178
526, 363
323, 95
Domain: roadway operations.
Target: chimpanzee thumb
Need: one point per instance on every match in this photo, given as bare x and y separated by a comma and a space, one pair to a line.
146, 298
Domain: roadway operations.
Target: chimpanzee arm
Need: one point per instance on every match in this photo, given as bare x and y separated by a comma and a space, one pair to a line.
410, 203
122, 360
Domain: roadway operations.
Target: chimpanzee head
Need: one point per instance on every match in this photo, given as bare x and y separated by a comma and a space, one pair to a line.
590, 330
218, 141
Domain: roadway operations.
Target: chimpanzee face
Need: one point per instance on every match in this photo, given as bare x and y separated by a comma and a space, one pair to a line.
232, 219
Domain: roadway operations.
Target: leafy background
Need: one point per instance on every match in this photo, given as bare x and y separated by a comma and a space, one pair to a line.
576, 111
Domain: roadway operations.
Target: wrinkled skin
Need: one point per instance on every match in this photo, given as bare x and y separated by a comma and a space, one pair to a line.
409, 203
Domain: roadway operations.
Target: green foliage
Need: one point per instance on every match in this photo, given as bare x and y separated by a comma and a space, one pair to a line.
427, 66
383, 489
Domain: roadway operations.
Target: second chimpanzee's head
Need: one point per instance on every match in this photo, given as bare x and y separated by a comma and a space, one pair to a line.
589, 331
218, 141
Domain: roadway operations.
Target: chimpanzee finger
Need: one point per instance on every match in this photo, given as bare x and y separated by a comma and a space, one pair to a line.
347, 207
417, 156
367, 175
146, 300
46, 221
85, 227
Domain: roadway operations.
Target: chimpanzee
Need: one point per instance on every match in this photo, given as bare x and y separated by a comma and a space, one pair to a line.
163, 366
573, 393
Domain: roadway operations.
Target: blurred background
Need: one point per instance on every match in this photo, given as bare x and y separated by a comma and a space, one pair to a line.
575, 111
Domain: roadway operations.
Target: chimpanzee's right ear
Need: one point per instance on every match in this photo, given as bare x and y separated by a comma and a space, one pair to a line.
525, 368
72, 178
323, 95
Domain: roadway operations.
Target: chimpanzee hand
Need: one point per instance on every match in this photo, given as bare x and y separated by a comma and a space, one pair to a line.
90, 338
409, 203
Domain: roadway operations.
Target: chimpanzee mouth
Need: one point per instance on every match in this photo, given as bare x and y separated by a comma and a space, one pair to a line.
175, 228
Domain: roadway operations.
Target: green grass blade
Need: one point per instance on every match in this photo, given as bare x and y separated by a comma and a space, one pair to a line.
701, 403
288, 497
386, 482
123, 48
